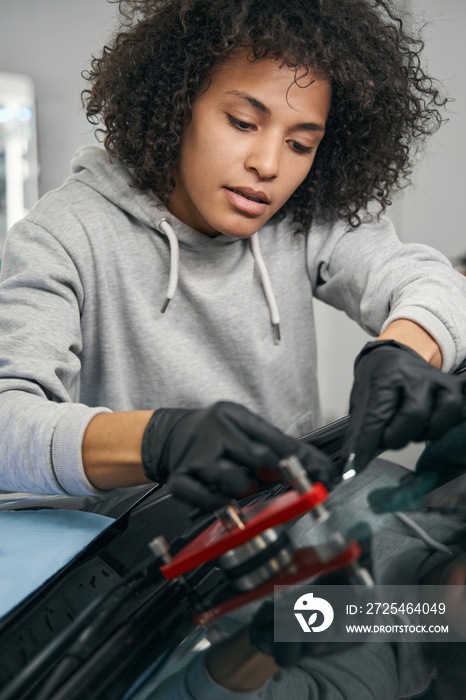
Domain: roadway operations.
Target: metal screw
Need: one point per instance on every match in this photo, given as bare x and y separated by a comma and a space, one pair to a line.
231, 517
294, 474
160, 549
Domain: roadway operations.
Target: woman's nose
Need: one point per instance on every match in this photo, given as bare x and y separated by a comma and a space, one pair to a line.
264, 158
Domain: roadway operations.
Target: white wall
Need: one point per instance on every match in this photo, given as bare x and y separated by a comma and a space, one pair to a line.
52, 41
432, 211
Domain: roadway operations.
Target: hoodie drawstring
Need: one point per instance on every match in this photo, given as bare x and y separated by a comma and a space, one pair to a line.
266, 284
165, 227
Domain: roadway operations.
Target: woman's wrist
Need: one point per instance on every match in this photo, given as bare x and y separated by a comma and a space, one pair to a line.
111, 449
415, 337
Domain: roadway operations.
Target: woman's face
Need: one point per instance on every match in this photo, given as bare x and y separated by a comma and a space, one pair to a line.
250, 143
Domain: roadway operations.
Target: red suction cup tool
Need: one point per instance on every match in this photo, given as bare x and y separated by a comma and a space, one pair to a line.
234, 527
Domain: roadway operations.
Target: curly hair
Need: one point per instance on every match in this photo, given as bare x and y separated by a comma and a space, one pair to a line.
144, 84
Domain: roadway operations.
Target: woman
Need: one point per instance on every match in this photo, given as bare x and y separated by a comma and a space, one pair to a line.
221, 119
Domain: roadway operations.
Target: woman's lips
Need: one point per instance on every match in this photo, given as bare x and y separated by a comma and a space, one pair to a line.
240, 199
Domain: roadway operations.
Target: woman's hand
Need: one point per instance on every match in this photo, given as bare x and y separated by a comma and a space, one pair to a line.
398, 397
208, 456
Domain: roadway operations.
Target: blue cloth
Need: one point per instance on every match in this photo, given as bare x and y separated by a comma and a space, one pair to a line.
34, 545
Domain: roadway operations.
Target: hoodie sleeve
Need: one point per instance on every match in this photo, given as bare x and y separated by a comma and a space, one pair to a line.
41, 300
368, 273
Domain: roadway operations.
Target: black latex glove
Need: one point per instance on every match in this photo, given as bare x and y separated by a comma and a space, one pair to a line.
209, 456
398, 397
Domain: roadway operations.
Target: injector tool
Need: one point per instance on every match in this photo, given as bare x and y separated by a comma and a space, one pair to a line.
253, 550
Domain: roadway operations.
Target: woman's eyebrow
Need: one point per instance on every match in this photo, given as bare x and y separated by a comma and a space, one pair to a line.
252, 100
257, 104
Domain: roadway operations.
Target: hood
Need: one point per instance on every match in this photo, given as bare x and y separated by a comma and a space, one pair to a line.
112, 179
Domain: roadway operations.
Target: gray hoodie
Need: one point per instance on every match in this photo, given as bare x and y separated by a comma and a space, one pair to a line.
85, 275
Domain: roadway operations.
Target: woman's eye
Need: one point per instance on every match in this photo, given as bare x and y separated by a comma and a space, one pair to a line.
300, 148
242, 126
